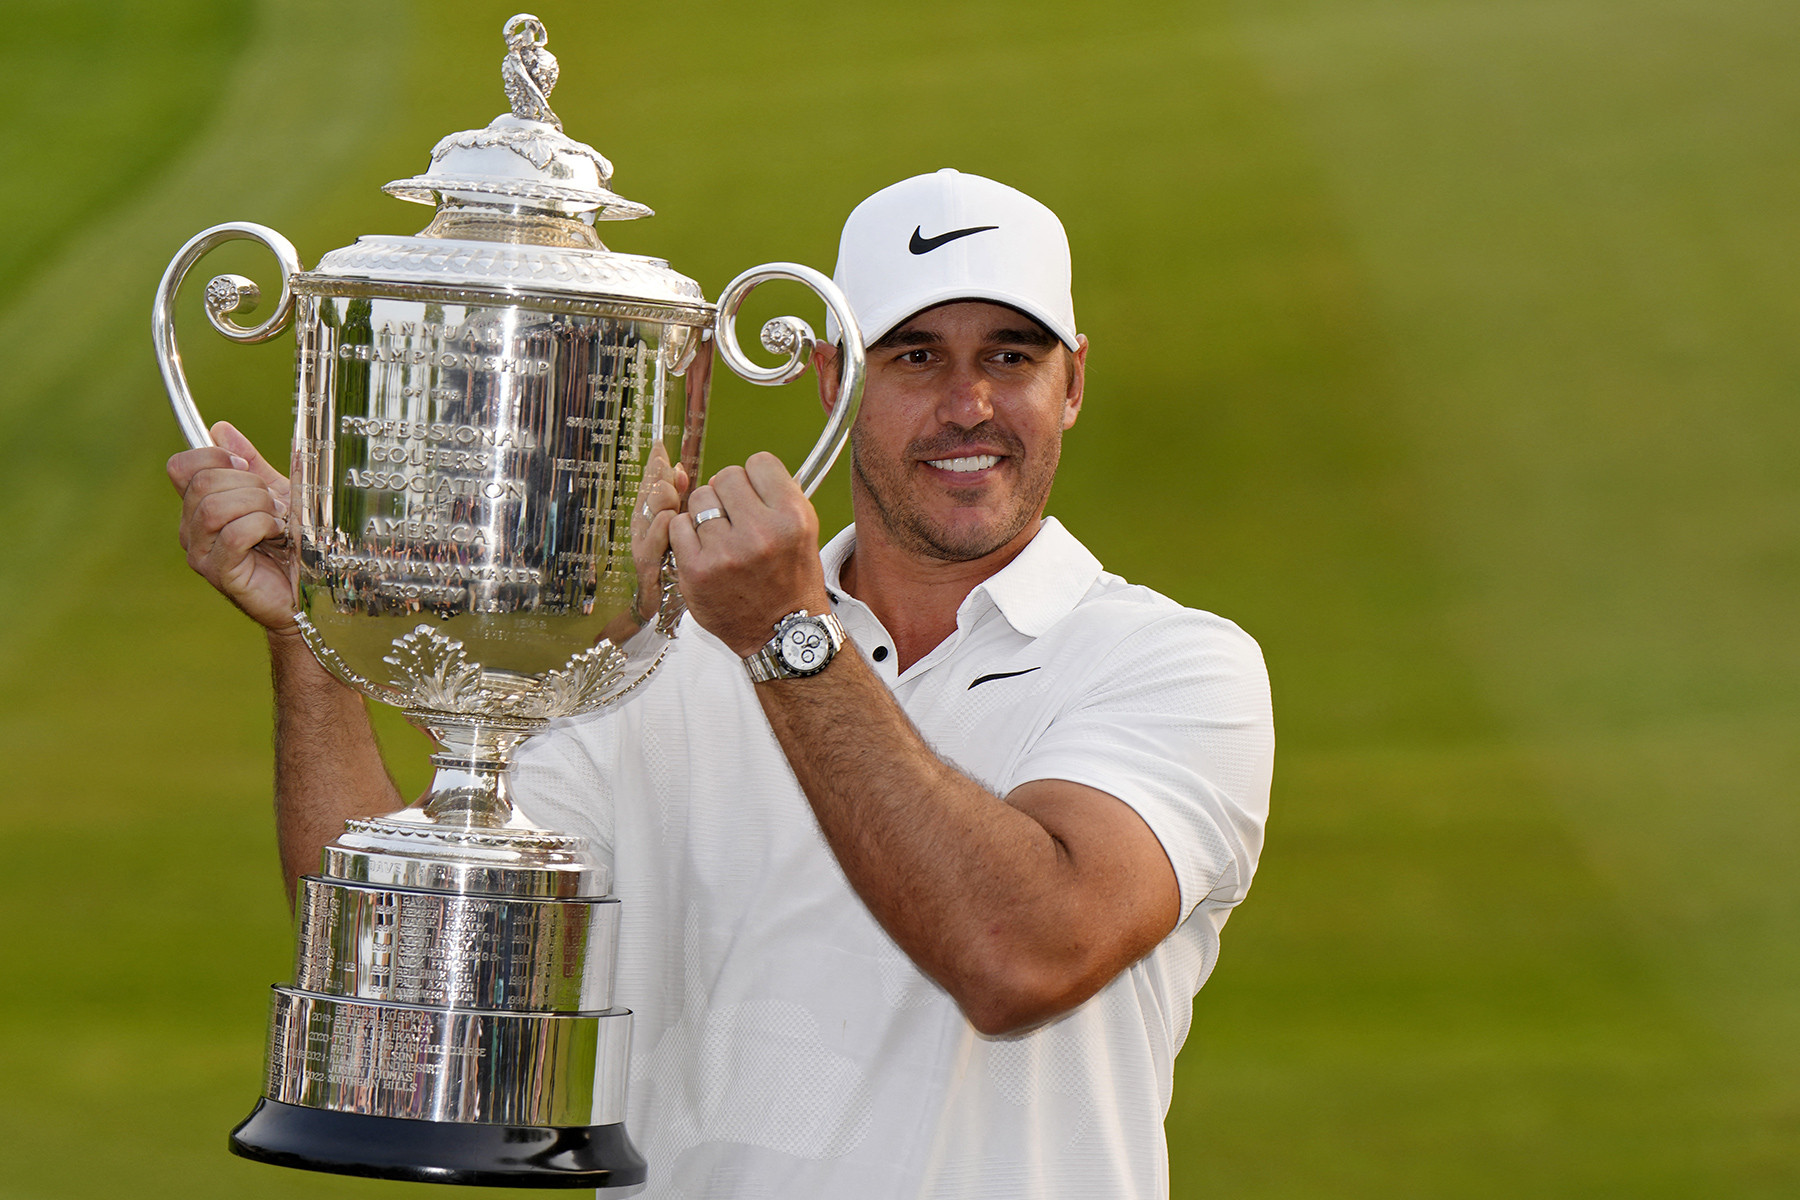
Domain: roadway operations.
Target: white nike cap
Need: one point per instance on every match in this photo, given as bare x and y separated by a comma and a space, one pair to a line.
948, 236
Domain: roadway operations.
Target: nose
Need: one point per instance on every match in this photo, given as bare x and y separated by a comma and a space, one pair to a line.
967, 399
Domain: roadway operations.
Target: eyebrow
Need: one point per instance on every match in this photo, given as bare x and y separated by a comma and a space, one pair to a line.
906, 337
1030, 335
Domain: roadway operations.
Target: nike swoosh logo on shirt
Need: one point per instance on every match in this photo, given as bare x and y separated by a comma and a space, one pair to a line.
1002, 675
925, 245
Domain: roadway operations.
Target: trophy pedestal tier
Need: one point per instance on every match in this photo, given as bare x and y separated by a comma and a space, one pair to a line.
456, 950
467, 1066
450, 1018
291, 1135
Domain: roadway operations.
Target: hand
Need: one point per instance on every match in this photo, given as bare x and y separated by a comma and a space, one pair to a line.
659, 501
742, 572
665, 486
234, 508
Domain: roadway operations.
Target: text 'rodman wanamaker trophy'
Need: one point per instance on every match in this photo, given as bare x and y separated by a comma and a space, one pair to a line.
478, 406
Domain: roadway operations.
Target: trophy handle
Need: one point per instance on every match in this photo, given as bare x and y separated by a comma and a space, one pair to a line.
793, 337
225, 295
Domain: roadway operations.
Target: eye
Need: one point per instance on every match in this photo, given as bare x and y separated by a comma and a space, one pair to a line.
1011, 358
917, 357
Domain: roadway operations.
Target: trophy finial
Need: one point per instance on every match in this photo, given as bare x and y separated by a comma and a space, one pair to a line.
523, 160
529, 70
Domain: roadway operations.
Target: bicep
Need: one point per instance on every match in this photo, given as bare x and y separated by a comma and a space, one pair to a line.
1177, 729
1118, 892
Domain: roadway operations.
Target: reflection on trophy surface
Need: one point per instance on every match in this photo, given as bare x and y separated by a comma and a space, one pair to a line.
478, 406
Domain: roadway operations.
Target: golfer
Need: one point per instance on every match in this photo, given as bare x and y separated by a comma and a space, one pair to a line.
924, 840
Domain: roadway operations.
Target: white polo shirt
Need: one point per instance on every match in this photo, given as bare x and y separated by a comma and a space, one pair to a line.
783, 1045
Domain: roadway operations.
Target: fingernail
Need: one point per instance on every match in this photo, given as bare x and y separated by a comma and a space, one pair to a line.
242, 464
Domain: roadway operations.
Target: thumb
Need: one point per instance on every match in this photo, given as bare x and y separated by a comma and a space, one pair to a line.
226, 434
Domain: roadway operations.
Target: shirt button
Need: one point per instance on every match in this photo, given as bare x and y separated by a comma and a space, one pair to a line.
880, 654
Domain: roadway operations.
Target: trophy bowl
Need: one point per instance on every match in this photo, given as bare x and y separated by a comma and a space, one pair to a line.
479, 407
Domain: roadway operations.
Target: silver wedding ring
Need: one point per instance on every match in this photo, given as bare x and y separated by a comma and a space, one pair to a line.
709, 515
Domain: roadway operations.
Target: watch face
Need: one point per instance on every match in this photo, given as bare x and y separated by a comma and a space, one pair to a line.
805, 647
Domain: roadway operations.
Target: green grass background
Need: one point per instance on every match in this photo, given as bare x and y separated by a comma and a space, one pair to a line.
1447, 345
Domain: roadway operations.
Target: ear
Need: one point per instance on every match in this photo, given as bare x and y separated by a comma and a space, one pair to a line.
825, 362
1077, 380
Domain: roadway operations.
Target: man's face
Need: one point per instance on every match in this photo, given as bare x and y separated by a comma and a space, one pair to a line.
956, 444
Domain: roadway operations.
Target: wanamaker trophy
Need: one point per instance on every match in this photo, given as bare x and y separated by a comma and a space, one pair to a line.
477, 408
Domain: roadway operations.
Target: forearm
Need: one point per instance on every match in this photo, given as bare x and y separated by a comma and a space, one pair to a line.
328, 766
982, 896
1021, 906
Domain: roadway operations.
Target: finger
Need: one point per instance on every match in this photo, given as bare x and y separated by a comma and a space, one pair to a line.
184, 466
243, 486
710, 521
238, 538
647, 550
656, 539
704, 497
647, 533
659, 467
647, 553
656, 471
770, 478
256, 581
708, 510
683, 541
226, 559
217, 495
735, 491
205, 517
660, 496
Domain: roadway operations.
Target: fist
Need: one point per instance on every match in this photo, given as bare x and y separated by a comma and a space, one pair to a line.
234, 508
755, 562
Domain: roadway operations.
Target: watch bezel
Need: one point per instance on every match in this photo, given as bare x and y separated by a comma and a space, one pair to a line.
770, 663
785, 630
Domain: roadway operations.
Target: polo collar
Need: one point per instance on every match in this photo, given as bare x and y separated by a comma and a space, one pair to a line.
1033, 592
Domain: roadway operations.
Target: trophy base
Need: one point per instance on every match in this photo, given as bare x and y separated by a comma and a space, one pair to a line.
318, 1139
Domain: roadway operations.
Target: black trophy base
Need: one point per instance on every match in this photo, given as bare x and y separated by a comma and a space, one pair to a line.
317, 1139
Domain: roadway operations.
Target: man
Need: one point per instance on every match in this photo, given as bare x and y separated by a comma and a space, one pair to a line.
918, 909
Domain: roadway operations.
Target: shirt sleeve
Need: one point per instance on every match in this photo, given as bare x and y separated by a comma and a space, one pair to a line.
1175, 721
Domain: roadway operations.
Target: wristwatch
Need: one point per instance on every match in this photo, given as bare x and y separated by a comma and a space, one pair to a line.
803, 645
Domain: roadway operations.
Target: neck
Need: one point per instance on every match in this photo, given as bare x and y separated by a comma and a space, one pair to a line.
916, 597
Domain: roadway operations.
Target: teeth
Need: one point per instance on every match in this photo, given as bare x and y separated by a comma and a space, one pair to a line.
979, 462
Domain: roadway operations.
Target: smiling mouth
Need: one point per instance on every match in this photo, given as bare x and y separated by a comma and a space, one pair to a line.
977, 462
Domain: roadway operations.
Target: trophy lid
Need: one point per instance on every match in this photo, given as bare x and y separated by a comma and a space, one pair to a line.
523, 159
516, 203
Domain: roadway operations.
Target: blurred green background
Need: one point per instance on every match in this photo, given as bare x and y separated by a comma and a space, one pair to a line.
1449, 346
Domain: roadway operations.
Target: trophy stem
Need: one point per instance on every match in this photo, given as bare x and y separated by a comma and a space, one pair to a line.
472, 788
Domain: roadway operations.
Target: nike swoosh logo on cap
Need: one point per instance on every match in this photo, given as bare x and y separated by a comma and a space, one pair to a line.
925, 245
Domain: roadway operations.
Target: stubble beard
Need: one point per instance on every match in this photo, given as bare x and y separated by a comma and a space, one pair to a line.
888, 487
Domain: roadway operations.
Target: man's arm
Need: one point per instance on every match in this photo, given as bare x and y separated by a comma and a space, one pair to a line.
327, 763
1021, 907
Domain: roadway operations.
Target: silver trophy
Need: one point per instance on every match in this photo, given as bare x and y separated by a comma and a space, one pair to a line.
478, 406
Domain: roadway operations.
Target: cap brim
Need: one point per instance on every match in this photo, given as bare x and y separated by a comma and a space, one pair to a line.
884, 324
